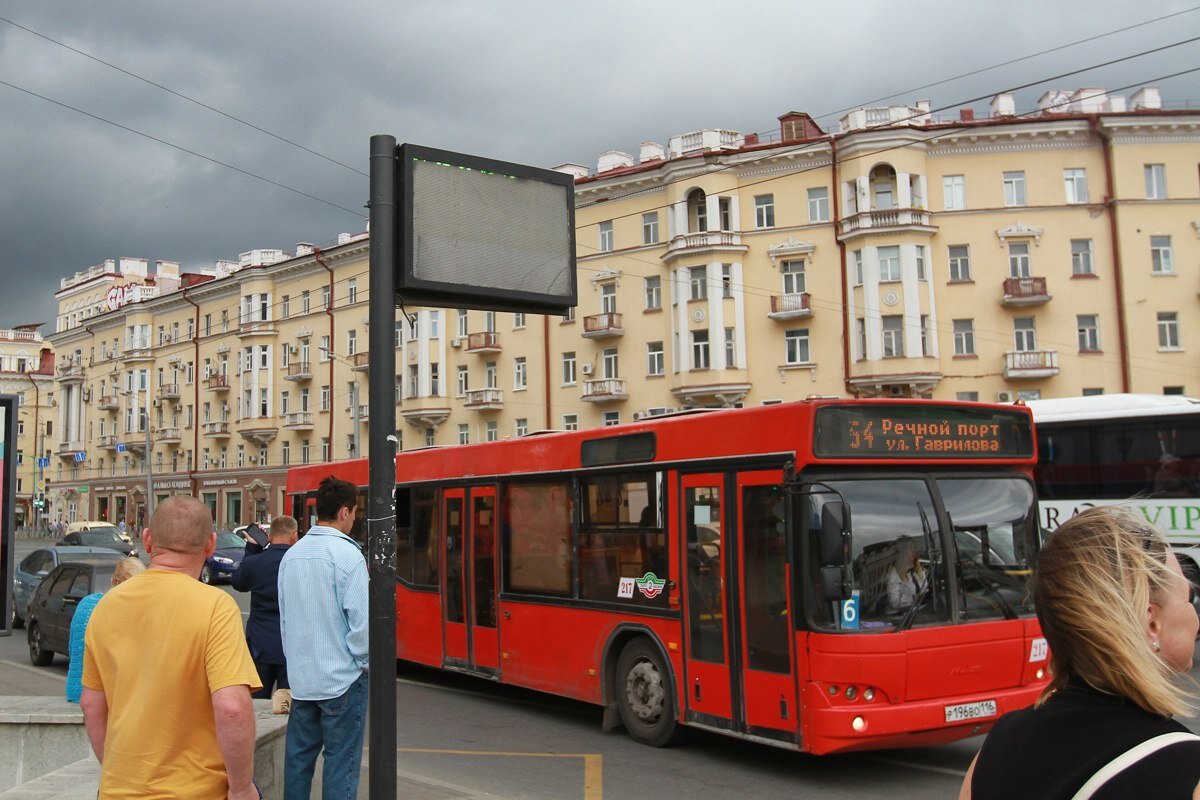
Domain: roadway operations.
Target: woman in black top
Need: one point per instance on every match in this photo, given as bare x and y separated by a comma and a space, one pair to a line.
1116, 610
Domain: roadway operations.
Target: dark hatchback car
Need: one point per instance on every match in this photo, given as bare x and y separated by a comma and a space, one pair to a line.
225, 559
53, 604
37, 565
99, 536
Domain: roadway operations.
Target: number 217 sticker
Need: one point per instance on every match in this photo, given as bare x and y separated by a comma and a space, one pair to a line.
1038, 650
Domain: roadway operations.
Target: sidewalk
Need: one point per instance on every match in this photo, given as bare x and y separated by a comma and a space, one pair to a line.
78, 777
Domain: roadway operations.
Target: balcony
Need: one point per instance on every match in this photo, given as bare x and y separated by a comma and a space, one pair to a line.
360, 362
605, 390
218, 429
1030, 364
107, 441
168, 391
486, 342
216, 383
168, 435
134, 441
1025, 292
298, 421
602, 326
262, 430
886, 220
790, 306
70, 372
695, 244
711, 395
299, 371
257, 328
485, 399
136, 354
364, 412
108, 402
69, 449
425, 412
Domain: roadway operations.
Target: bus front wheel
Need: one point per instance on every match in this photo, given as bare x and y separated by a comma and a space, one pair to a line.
644, 695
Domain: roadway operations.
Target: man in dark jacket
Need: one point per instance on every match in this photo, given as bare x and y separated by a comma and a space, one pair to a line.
259, 575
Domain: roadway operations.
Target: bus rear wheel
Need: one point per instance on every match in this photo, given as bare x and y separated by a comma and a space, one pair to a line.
644, 695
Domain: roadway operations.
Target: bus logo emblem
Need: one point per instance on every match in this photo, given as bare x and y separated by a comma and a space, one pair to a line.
651, 585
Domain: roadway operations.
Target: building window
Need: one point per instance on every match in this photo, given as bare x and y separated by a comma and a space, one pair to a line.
351, 342
1173, 390
654, 358
352, 291
1075, 182
793, 276
922, 275
304, 451
568, 315
570, 422
608, 298
398, 334
967, 397
1161, 262
964, 337
606, 236
518, 320
653, 293
893, 336
764, 211
1024, 334
889, 263
463, 383
698, 280
730, 349
461, 326
324, 398
519, 374
925, 336
1018, 260
954, 192
325, 448
305, 302
326, 300
818, 204
858, 268
1156, 182
568, 369
1088, 326
1168, 330
464, 434
612, 418
491, 431
795, 347
489, 375
650, 228
610, 363
285, 306
1081, 257
414, 380
700, 349
1014, 188
430, 436
285, 453
435, 319
324, 348
727, 281
521, 427
860, 330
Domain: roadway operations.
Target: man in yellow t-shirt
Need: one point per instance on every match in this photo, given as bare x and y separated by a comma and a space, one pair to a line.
167, 675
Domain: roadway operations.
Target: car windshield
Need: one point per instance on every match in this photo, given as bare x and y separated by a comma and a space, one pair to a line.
228, 541
94, 536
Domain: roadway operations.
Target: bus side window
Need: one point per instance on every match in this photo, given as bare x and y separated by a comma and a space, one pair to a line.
404, 535
425, 540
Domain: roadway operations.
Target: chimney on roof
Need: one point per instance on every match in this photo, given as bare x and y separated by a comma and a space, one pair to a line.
576, 171
795, 126
1146, 98
613, 159
1003, 105
966, 114
652, 151
922, 116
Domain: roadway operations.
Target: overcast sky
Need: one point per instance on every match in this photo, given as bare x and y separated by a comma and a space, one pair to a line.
533, 82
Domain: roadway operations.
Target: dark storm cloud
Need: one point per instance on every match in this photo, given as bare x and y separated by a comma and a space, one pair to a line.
539, 82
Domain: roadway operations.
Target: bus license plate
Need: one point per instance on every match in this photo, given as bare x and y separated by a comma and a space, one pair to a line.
966, 711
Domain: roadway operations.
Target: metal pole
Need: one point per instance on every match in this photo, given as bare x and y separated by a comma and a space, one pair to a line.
381, 507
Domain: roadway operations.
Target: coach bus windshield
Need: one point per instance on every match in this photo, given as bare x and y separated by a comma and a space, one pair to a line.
903, 567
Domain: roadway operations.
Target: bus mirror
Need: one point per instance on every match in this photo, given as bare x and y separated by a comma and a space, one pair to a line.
835, 533
835, 583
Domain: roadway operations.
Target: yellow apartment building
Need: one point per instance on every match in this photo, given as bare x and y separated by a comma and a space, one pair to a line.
1039, 254
27, 371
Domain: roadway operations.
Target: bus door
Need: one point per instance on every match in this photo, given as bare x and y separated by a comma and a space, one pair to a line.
769, 677
469, 582
708, 697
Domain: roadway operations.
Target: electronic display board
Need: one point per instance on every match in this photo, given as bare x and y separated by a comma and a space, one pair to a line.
887, 431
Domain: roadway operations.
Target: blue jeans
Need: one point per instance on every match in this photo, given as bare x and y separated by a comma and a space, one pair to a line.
337, 726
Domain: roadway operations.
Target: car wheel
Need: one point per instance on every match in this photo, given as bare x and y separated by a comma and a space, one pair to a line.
38, 654
206, 575
644, 695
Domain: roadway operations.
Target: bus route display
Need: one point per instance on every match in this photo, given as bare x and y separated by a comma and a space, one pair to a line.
887, 431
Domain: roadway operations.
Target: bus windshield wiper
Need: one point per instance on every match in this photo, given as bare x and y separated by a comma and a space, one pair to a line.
935, 558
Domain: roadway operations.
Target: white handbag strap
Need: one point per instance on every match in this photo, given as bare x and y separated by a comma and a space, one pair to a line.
1130, 757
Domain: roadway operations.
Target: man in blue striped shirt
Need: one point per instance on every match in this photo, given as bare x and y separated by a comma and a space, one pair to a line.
323, 619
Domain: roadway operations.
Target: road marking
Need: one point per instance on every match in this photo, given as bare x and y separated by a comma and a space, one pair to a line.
896, 762
593, 764
45, 673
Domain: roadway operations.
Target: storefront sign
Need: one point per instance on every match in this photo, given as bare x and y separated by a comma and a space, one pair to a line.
224, 482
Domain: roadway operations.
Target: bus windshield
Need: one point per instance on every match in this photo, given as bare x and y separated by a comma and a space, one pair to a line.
901, 563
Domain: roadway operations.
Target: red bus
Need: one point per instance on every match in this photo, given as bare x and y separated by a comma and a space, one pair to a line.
827, 575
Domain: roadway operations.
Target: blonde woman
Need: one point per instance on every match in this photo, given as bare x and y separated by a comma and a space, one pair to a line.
1116, 610
126, 568
906, 577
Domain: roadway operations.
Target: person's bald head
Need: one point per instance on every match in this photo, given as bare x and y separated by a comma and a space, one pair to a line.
181, 524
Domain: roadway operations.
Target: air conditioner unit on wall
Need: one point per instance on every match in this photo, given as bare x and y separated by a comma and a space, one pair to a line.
587, 369
1004, 397
456, 341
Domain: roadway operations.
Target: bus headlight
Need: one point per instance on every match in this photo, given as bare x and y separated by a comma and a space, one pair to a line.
868, 694
859, 724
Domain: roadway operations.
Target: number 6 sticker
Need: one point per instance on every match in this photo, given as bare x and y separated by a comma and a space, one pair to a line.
850, 612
